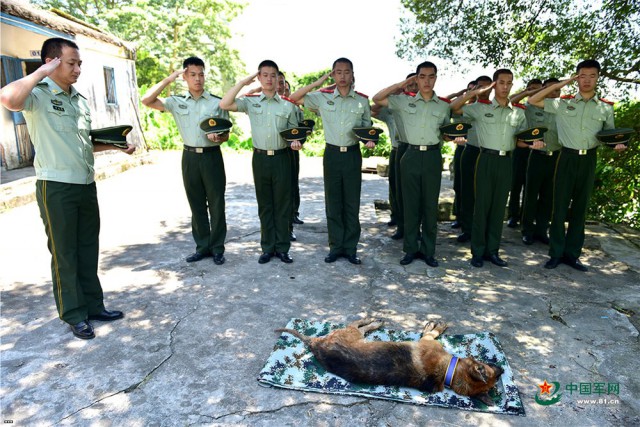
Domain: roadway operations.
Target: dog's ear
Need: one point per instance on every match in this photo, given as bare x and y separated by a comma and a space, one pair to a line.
478, 372
484, 398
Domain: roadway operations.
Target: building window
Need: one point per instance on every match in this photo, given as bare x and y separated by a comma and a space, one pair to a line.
110, 85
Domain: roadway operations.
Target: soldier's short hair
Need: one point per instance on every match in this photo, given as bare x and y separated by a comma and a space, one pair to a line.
52, 48
501, 71
268, 63
589, 63
342, 61
410, 75
193, 60
550, 81
427, 64
534, 82
486, 79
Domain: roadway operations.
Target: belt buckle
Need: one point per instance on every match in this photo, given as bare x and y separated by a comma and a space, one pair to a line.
582, 152
270, 152
423, 148
199, 150
502, 153
343, 149
549, 153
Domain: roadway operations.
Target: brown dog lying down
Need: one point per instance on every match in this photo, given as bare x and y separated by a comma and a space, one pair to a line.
423, 364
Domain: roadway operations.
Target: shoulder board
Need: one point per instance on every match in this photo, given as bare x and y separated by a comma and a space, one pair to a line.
253, 94
409, 93
287, 99
215, 96
361, 94
484, 101
326, 90
517, 104
567, 97
447, 100
607, 101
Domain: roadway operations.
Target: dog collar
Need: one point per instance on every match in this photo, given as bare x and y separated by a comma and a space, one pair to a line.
451, 371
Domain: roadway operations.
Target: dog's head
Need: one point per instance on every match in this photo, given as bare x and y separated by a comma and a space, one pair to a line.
475, 379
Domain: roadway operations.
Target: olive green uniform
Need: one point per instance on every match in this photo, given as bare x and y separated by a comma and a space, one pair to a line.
495, 127
538, 191
271, 165
519, 160
295, 174
203, 173
402, 149
468, 160
457, 178
342, 164
421, 168
578, 120
385, 116
59, 125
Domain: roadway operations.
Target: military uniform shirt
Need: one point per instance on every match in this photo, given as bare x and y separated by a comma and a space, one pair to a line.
268, 116
189, 112
59, 124
422, 118
537, 117
400, 126
578, 120
340, 114
385, 116
495, 125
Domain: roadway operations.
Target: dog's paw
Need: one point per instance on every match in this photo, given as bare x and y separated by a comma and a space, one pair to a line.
434, 328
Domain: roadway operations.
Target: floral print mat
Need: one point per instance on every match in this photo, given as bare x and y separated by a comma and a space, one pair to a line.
292, 366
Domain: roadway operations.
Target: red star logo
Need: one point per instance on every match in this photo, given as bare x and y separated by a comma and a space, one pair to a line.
545, 387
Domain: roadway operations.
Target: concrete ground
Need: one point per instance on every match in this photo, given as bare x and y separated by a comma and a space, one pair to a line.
195, 336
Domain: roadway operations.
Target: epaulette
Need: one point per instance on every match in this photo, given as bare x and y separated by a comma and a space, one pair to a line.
447, 100
517, 104
326, 90
567, 97
214, 95
253, 94
288, 99
484, 101
409, 93
361, 94
607, 101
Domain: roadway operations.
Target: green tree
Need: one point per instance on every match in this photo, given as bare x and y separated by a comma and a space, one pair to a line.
532, 37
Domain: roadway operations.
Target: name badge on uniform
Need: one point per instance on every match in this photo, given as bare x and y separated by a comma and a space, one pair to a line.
330, 102
412, 105
182, 106
55, 107
571, 108
256, 105
488, 115
56, 102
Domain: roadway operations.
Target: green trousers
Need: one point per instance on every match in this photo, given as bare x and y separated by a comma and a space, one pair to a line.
205, 181
520, 157
457, 179
402, 149
468, 160
573, 185
421, 179
538, 193
71, 220
295, 182
272, 178
342, 186
393, 200
493, 180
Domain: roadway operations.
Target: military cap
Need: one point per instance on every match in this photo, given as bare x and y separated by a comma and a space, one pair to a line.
615, 136
367, 134
114, 135
216, 125
531, 134
296, 134
307, 123
454, 130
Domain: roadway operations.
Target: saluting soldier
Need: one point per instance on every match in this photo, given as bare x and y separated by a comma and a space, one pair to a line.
384, 114
578, 119
59, 122
496, 123
421, 169
203, 173
341, 109
269, 114
538, 190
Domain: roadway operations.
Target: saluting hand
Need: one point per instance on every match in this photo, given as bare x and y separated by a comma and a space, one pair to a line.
480, 90
323, 79
175, 74
49, 67
252, 78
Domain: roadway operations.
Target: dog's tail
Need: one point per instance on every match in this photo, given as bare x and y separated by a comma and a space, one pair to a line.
305, 339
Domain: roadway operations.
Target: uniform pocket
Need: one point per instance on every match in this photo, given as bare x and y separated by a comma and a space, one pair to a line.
61, 119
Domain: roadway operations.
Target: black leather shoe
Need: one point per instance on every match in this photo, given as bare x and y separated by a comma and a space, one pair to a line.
292, 236
106, 315
218, 259
392, 223
353, 259
542, 239
496, 260
552, 263
477, 262
512, 222
397, 235
297, 220
196, 257
330, 258
265, 258
527, 240
456, 224
83, 330
284, 257
574, 263
431, 261
407, 259
464, 237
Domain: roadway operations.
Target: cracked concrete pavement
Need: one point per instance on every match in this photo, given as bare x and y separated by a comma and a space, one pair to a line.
195, 336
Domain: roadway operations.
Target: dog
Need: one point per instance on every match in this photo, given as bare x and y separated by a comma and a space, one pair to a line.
423, 365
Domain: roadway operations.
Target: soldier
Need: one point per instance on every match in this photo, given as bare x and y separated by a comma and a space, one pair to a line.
341, 109
203, 173
269, 114
295, 170
421, 165
538, 190
59, 122
496, 122
578, 119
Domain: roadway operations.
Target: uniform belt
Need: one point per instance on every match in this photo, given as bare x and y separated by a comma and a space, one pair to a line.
270, 152
200, 150
495, 152
401, 143
546, 153
471, 147
425, 147
342, 149
578, 152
